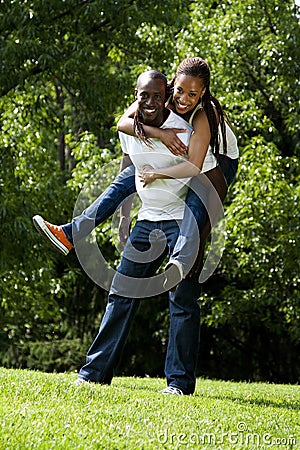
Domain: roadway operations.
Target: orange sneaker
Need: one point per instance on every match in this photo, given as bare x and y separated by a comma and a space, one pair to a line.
54, 234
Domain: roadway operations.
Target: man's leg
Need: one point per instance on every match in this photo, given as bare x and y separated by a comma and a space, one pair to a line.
184, 336
106, 350
184, 331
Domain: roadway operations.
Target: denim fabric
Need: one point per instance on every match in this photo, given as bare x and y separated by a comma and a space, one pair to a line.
183, 343
195, 215
103, 207
229, 167
195, 226
182, 351
184, 335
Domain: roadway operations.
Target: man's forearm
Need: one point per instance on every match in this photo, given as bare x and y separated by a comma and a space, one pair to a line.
126, 205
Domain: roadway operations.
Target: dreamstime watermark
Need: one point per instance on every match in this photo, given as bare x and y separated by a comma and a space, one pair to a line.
93, 201
239, 437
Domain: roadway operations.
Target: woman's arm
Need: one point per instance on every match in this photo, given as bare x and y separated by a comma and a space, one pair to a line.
198, 147
168, 136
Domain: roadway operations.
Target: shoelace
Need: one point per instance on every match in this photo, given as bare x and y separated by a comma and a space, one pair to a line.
55, 228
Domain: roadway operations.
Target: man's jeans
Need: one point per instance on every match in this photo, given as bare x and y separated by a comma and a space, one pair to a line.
183, 344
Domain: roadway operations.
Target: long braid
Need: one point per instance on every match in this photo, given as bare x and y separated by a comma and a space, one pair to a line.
138, 127
198, 68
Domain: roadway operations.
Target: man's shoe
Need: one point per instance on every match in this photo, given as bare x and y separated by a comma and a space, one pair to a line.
172, 390
54, 234
80, 381
173, 274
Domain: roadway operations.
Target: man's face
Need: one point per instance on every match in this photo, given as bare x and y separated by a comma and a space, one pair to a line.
150, 94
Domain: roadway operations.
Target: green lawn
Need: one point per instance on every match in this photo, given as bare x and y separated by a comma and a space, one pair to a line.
47, 411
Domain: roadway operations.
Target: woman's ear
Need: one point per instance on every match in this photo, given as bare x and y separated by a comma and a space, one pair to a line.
203, 92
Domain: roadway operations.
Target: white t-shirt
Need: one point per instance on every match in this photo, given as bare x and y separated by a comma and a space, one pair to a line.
164, 198
232, 147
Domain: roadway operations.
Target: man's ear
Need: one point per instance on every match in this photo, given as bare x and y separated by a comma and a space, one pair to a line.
135, 93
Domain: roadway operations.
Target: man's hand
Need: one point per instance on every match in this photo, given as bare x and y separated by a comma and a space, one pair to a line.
124, 229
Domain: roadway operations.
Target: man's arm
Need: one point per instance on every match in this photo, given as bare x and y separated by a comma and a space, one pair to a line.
125, 220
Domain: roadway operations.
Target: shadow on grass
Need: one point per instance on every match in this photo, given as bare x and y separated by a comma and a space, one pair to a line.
294, 405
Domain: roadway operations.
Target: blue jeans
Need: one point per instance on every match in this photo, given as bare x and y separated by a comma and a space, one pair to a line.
200, 199
183, 344
195, 216
229, 168
103, 207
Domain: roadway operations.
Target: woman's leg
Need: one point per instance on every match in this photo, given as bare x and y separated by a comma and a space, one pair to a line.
204, 199
229, 168
63, 237
202, 202
103, 207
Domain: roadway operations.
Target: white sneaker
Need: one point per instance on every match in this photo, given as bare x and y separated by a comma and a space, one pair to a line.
172, 390
80, 381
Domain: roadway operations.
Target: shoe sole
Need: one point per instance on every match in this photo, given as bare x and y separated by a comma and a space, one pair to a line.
42, 228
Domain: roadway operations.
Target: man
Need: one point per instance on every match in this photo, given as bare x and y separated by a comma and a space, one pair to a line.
154, 234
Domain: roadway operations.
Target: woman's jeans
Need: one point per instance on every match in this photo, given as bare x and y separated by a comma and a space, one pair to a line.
204, 201
194, 228
103, 207
183, 344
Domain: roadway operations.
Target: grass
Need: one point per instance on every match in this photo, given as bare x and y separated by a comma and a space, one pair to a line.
47, 411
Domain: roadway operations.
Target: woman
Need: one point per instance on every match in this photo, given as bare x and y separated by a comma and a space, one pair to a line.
190, 98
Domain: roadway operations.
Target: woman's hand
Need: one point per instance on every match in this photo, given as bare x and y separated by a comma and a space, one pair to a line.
172, 142
147, 175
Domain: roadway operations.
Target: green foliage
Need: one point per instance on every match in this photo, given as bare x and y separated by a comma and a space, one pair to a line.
264, 225
259, 273
81, 45
68, 69
43, 411
253, 50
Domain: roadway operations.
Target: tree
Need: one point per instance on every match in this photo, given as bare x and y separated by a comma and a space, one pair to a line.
251, 305
66, 73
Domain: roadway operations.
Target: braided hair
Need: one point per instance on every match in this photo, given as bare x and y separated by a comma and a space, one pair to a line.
198, 68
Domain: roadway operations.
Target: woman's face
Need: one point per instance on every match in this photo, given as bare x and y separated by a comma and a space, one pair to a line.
187, 93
